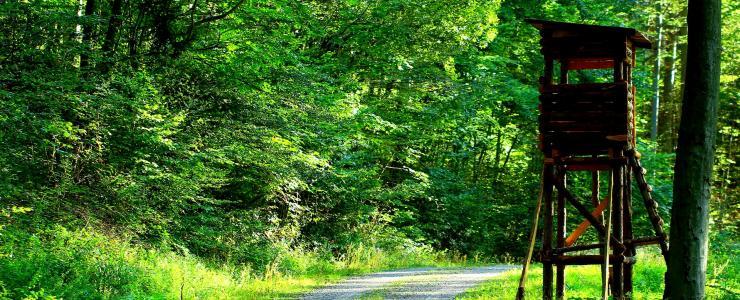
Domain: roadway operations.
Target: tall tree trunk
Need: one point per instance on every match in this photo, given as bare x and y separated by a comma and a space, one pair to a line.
114, 24
687, 260
497, 156
508, 155
162, 14
655, 107
477, 168
134, 37
87, 32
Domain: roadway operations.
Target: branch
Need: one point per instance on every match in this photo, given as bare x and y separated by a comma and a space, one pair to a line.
724, 289
221, 16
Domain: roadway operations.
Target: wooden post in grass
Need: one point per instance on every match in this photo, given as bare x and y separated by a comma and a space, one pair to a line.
605, 265
532, 239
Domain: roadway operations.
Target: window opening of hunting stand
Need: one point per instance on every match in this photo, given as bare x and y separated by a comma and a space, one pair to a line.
590, 76
584, 71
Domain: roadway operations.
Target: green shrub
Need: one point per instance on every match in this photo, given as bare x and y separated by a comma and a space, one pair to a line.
58, 263
71, 265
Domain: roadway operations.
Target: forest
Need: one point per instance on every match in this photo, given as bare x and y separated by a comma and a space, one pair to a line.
234, 149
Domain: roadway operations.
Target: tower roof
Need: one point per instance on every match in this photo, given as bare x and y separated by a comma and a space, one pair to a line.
574, 29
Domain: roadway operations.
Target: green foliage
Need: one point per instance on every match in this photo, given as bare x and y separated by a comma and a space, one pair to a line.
71, 265
237, 132
83, 264
723, 265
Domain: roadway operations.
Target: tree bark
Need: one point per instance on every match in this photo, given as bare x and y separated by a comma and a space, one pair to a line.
477, 168
114, 24
87, 32
497, 157
695, 154
508, 152
134, 38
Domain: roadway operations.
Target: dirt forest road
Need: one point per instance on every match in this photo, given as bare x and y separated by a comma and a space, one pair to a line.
419, 283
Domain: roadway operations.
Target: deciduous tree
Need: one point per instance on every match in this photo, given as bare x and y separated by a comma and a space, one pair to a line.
687, 264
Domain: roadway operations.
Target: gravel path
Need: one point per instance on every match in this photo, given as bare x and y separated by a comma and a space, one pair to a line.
420, 283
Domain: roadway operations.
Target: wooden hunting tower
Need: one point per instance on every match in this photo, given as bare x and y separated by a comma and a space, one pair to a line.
591, 127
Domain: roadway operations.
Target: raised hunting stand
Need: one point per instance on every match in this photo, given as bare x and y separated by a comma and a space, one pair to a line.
590, 127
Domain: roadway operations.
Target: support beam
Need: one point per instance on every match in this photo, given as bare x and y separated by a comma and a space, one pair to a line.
573, 237
577, 248
595, 187
607, 235
617, 282
547, 232
592, 260
584, 212
628, 235
644, 241
561, 229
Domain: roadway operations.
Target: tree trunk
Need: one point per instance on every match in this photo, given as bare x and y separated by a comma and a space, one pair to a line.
695, 154
497, 156
477, 168
508, 154
655, 107
87, 32
114, 24
134, 38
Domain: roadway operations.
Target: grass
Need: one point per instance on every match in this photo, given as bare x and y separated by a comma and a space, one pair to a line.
581, 282
85, 264
584, 282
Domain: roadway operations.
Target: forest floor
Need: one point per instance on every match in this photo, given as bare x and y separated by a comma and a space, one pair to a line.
415, 283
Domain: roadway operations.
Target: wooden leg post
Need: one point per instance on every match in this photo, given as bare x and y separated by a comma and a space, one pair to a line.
547, 233
561, 219
628, 235
616, 215
607, 239
532, 238
595, 187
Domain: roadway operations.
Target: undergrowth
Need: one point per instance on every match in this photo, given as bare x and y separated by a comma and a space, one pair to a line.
85, 264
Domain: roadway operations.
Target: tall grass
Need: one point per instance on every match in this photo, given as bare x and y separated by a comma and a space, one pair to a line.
584, 282
85, 264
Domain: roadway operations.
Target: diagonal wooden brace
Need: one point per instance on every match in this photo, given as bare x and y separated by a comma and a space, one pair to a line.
587, 214
573, 237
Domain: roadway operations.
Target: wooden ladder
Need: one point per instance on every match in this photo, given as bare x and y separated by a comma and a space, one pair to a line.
650, 204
